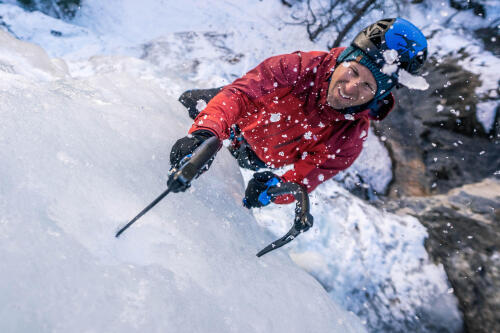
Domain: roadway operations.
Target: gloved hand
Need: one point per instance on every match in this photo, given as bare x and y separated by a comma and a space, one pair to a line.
187, 145
256, 192
182, 148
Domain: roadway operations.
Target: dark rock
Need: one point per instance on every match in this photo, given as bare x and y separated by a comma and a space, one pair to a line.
464, 235
433, 136
56, 8
490, 37
477, 6
56, 33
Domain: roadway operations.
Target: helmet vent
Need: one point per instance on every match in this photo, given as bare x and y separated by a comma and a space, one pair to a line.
377, 40
397, 34
374, 32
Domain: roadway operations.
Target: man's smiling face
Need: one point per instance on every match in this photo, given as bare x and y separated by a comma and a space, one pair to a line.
352, 84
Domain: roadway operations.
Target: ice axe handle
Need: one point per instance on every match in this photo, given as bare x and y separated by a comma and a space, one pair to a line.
298, 191
192, 165
202, 155
183, 177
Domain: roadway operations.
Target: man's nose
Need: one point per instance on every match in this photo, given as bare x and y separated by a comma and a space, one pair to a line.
351, 87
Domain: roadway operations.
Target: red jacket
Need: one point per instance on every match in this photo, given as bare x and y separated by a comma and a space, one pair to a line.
280, 107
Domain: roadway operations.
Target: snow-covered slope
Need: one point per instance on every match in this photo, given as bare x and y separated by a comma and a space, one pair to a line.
373, 263
80, 157
85, 146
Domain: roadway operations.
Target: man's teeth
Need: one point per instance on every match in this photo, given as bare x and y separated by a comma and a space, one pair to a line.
342, 95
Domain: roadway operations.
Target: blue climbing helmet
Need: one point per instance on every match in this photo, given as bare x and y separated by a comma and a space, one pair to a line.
369, 46
396, 34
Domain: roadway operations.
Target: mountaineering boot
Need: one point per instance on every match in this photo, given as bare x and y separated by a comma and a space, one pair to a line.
191, 98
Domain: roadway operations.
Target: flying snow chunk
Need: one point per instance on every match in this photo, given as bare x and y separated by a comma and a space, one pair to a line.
200, 105
308, 135
390, 56
485, 114
275, 117
412, 81
349, 116
390, 66
389, 69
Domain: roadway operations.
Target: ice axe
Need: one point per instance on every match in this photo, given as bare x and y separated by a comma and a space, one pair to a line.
303, 219
190, 167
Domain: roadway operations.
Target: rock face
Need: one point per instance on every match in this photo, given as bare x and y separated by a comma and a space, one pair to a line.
434, 138
57, 9
437, 147
464, 235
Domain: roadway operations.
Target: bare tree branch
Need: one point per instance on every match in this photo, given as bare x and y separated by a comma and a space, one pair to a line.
320, 16
349, 25
313, 34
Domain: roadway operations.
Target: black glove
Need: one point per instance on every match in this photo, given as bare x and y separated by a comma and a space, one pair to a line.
181, 149
256, 192
187, 145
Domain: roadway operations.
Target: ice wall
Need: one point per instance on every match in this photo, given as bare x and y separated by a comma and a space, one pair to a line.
80, 157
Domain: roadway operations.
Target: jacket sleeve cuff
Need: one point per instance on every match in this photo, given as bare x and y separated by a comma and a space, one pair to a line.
194, 129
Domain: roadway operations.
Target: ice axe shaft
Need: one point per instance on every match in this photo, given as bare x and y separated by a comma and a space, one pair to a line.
180, 177
144, 211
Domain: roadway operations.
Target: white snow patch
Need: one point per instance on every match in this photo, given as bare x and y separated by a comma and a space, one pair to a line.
412, 81
485, 114
200, 105
275, 117
390, 57
389, 69
373, 164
